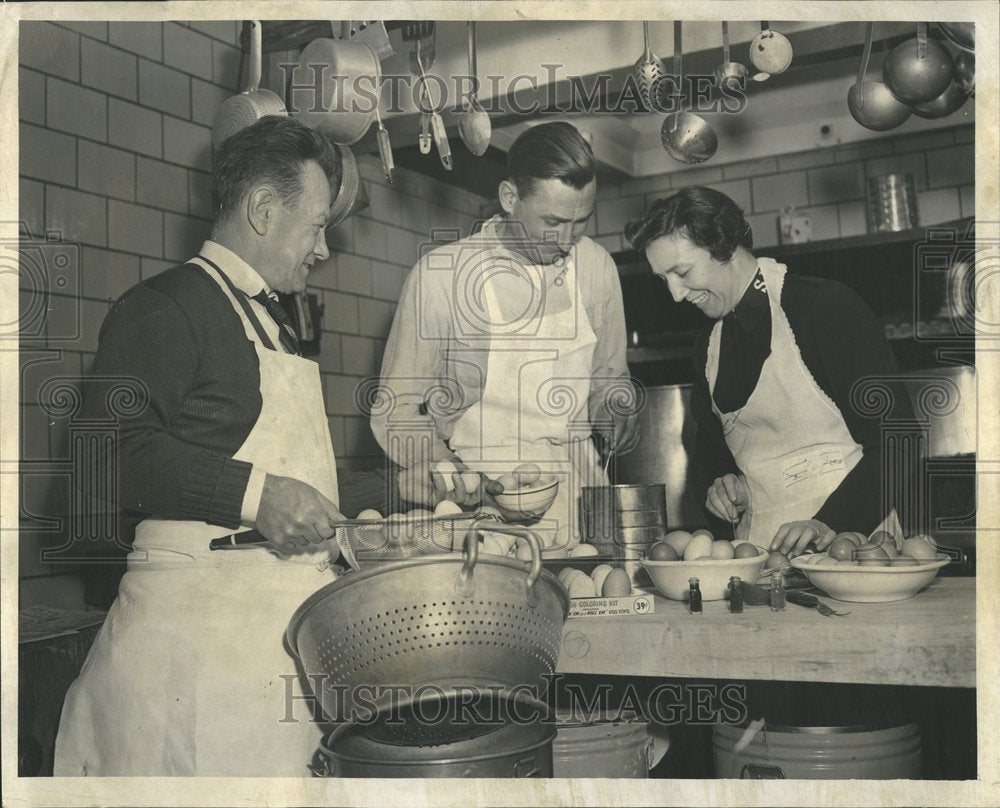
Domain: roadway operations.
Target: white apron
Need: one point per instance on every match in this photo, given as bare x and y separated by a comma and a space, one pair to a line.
534, 405
189, 674
789, 439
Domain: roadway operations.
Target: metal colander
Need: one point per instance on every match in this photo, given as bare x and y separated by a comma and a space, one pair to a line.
437, 624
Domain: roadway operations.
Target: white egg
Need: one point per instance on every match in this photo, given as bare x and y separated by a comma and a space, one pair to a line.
447, 508
492, 547
598, 574
370, 513
523, 552
501, 539
583, 551
699, 546
581, 586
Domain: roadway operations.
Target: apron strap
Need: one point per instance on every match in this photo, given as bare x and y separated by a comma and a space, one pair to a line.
242, 299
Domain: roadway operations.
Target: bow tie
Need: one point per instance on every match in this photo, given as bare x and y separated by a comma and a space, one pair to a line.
286, 331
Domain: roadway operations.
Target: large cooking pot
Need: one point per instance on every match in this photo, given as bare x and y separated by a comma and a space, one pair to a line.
433, 623
336, 88
351, 197
515, 750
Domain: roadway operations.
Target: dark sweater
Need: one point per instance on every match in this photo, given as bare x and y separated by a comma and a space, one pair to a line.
178, 335
840, 341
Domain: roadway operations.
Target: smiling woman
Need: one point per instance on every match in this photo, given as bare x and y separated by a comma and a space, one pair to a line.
780, 449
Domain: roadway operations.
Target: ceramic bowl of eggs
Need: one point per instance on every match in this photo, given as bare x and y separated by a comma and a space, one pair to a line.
680, 556
873, 570
527, 491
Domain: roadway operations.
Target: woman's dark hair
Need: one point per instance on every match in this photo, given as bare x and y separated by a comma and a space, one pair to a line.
550, 151
707, 218
272, 150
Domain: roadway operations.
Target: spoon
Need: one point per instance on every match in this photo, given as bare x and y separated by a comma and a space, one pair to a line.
474, 125
729, 71
649, 75
687, 137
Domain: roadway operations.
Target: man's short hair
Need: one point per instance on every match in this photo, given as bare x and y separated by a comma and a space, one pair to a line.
272, 151
550, 151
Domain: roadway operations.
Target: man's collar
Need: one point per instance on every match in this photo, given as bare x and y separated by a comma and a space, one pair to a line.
752, 305
243, 276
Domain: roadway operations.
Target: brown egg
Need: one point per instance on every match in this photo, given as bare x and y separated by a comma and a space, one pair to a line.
616, 584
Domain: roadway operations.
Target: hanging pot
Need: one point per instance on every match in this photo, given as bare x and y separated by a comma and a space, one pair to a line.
951, 100
965, 72
352, 196
650, 75
245, 109
770, 52
335, 81
962, 34
871, 103
919, 69
687, 137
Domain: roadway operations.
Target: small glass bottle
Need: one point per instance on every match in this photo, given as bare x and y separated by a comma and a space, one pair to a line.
777, 591
735, 595
694, 596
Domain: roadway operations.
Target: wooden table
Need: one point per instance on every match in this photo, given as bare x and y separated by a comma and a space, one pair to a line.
927, 640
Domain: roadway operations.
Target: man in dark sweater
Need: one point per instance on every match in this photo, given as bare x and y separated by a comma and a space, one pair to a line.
233, 434
779, 442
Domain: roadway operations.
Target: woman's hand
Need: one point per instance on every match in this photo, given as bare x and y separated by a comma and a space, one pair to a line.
728, 497
793, 538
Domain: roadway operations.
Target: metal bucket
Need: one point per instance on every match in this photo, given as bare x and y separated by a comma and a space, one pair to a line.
516, 750
609, 746
819, 753
892, 203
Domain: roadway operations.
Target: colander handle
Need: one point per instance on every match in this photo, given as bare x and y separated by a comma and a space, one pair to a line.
464, 583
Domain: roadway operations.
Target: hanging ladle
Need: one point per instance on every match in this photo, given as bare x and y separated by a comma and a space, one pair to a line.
687, 137
729, 72
474, 125
650, 75
871, 103
770, 53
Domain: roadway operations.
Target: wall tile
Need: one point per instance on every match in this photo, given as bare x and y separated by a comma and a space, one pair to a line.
341, 313
354, 274
359, 356
612, 244
737, 190
385, 204
765, 229
135, 229
414, 215
92, 314
360, 440
154, 266
613, 213
77, 216
64, 321
402, 247
695, 176
97, 30
187, 144
107, 69
183, 236
200, 193
164, 89
836, 183
779, 191
340, 390
751, 168
924, 141
952, 166
226, 30
387, 280
143, 38
653, 187
31, 205
47, 155
135, 128
187, 50
607, 190
904, 163
853, 218
49, 48
809, 159
967, 198
825, 221
206, 99
865, 151
76, 109
939, 206
323, 275
225, 65
376, 317
107, 274
106, 171
340, 239
329, 357
370, 239
31, 96
162, 185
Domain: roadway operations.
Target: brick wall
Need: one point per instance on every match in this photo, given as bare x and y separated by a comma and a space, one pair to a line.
115, 139
827, 185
